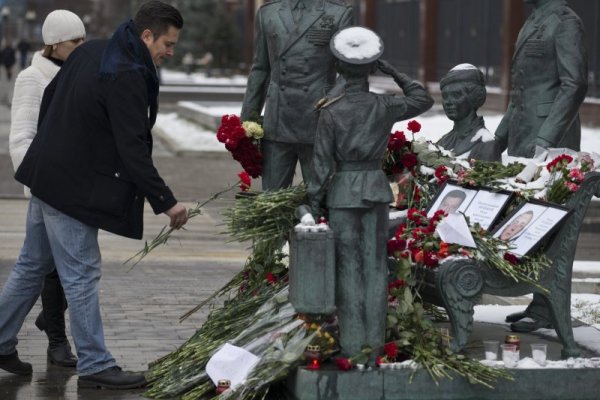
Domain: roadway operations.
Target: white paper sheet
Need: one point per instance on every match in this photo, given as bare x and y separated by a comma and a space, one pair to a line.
231, 362
454, 229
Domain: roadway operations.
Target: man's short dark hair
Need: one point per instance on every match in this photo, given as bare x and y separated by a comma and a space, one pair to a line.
158, 17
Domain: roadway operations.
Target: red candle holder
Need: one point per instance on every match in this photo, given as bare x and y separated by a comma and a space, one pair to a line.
223, 385
313, 357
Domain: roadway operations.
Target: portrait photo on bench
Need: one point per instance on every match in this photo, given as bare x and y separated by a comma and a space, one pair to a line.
530, 225
481, 205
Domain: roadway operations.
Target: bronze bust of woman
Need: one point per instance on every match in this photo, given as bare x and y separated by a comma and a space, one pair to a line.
463, 92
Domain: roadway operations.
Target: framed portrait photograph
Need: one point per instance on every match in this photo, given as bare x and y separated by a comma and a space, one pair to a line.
530, 225
451, 198
481, 204
487, 206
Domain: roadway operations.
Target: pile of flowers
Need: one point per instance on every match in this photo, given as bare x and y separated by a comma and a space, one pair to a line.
243, 141
257, 316
418, 242
565, 181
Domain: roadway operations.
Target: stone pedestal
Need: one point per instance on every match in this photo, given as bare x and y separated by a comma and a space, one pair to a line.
312, 272
530, 384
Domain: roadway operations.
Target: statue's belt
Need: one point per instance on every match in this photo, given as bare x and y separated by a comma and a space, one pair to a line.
369, 165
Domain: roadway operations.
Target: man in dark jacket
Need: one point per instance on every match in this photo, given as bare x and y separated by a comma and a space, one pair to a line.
90, 167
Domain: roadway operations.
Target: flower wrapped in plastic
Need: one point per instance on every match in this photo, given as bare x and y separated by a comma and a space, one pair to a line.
566, 176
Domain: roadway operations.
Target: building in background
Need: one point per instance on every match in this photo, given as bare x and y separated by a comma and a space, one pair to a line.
424, 38
428, 37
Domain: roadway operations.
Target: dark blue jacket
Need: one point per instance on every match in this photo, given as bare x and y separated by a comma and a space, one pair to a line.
91, 158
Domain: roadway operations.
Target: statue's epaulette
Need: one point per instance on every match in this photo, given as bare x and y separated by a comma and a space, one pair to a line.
325, 102
269, 3
338, 2
565, 12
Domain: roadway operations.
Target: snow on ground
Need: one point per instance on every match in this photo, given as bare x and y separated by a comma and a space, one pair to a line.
186, 134
434, 126
586, 267
177, 77
584, 306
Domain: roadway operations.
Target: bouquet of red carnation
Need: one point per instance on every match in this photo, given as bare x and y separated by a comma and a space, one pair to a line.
565, 181
399, 155
243, 141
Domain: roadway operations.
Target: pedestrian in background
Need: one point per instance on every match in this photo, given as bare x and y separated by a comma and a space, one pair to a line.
62, 32
8, 58
90, 167
23, 47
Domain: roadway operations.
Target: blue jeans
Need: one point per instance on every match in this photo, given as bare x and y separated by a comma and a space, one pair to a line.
55, 239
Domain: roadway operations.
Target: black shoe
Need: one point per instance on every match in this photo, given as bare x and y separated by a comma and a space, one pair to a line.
12, 364
529, 325
112, 378
514, 317
61, 355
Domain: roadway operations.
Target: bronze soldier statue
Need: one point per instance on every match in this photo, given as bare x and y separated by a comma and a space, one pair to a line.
293, 68
549, 78
549, 74
351, 139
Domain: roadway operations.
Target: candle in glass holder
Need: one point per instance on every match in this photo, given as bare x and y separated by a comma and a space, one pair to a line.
538, 353
223, 385
312, 355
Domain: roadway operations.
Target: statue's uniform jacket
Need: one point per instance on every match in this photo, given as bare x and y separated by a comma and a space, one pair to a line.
549, 78
293, 67
356, 129
352, 136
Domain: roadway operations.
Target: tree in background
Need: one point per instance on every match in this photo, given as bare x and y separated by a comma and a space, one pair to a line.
213, 26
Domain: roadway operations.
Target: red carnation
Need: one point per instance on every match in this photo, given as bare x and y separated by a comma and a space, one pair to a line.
511, 258
396, 141
271, 278
409, 160
430, 259
394, 245
390, 350
397, 284
245, 181
414, 126
441, 173
343, 364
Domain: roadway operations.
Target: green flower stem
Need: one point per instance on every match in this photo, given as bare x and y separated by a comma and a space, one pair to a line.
165, 234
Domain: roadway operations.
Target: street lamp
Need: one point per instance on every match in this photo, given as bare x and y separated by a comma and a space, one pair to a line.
30, 17
4, 13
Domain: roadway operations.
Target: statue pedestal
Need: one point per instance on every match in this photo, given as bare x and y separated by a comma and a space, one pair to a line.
530, 384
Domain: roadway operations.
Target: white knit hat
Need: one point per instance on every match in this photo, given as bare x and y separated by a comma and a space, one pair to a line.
62, 25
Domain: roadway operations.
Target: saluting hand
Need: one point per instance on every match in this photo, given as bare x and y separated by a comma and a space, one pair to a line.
178, 215
386, 67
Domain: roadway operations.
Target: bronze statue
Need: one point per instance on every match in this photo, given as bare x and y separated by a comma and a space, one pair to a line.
351, 139
293, 68
549, 82
463, 93
549, 76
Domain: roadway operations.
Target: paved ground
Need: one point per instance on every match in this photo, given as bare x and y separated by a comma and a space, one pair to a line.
141, 307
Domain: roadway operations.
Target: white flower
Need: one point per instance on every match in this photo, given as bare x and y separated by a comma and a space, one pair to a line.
253, 130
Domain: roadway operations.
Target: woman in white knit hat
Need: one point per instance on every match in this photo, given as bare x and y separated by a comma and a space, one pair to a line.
62, 32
